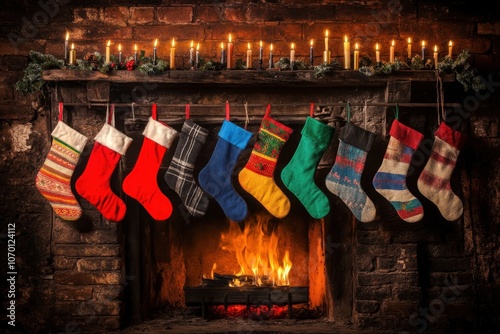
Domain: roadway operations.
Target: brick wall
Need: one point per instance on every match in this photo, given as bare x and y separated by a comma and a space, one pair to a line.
399, 273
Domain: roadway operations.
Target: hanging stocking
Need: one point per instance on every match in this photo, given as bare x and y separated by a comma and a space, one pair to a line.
390, 179
179, 175
215, 177
257, 176
298, 175
344, 180
53, 179
141, 183
94, 183
434, 182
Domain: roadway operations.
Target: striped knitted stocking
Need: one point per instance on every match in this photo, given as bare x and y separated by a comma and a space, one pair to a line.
390, 179
344, 180
434, 182
53, 179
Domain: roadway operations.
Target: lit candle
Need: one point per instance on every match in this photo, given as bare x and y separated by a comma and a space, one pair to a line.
435, 55
108, 51
450, 50
119, 53
229, 53
377, 54
249, 57
66, 51
135, 53
72, 55
261, 53
154, 51
292, 56
326, 53
356, 57
172, 55
191, 54
271, 63
347, 53
423, 50
222, 53
409, 47
311, 54
391, 52
198, 55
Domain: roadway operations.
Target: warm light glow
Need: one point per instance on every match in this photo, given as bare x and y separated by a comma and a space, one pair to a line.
119, 47
260, 43
230, 38
271, 47
156, 42
109, 42
409, 40
293, 46
346, 39
356, 46
392, 43
326, 33
376, 46
197, 46
72, 46
423, 44
192, 44
312, 42
435, 48
222, 45
257, 252
67, 36
135, 47
173, 42
248, 46
450, 44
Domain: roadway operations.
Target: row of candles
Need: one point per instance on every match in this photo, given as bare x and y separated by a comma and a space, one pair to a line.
227, 57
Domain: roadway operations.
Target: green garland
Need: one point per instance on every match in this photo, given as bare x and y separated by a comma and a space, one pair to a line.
32, 80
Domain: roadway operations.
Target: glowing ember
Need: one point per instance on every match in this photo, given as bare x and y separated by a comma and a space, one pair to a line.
257, 253
261, 312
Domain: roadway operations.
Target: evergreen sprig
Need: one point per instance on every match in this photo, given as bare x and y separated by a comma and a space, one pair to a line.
31, 81
284, 64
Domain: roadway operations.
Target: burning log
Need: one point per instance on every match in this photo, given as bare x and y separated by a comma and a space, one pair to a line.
228, 280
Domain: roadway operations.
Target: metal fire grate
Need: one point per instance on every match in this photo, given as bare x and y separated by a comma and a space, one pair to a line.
256, 295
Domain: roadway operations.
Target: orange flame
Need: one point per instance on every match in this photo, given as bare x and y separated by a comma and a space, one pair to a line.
256, 250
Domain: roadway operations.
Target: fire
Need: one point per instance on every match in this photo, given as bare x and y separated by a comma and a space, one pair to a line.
256, 250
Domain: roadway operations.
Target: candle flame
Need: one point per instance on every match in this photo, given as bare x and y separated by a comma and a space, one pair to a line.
192, 44
230, 38
156, 42
312, 42
67, 35
119, 47
346, 39
376, 46
222, 45
450, 44
392, 42
135, 47
72, 46
423, 44
173, 42
197, 46
271, 48
248, 46
326, 33
293, 46
356, 46
109, 42
435, 48
260, 43
409, 40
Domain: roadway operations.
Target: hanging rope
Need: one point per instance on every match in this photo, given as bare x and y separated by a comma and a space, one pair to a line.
440, 106
348, 112
247, 120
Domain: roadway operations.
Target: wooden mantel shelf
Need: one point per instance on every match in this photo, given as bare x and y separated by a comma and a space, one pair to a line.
242, 77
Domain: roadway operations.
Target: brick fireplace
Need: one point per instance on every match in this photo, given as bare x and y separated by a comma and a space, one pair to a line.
388, 275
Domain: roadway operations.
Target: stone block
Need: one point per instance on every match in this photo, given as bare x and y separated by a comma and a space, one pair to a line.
373, 237
99, 263
371, 279
488, 28
407, 292
180, 14
181, 32
82, 14
234, 14
107, 292
373, 292
141, 15
73, 292
398, 91
449, 264
115, 15
270, 13
365, 263
208, 14
86, 278
400, 308
367, 306
78, 250
63, 262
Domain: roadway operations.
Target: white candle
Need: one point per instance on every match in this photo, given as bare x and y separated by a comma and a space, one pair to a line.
423, 50
249, 57
172, 55
409, 47
66, 48
450, 50
119, 53
261, 51
391, 52
435, 55
191, 54
311, 54
347, 53
377, 54
292, 55
356, 57
108, 51
135, 53
326, 53
154, 51
229, 53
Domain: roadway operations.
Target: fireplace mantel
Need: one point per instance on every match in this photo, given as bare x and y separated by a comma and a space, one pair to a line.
246, 77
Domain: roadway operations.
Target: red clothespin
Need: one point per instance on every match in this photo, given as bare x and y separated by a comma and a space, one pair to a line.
154, 112
311, 110
187, 111
268, 110
61, 111
228, 111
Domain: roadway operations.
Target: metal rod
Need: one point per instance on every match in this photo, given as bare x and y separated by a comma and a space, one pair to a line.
277, 105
